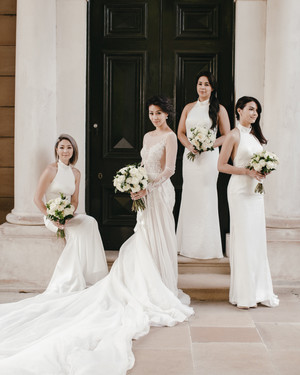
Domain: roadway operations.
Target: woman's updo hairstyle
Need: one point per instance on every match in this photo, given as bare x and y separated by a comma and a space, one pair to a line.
164, 103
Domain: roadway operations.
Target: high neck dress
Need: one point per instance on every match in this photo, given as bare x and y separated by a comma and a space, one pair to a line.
250, 281
91, 332
83, 260
198, 230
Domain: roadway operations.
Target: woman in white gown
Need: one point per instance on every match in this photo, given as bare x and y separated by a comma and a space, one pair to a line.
91, 332
83, 260
198, 230
250, 281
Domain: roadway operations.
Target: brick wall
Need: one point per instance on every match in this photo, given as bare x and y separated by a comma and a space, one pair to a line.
7, 93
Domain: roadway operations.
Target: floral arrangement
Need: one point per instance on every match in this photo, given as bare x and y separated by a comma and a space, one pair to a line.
60, 209
202, 139
132, 179
263, 162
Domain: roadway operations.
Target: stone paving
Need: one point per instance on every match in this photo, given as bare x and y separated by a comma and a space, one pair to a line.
221, 340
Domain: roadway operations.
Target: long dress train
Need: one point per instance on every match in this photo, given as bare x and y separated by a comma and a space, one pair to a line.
90, 332
250, 280
198, 230
83, 260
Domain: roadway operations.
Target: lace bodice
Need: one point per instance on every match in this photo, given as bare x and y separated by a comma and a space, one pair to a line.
63, 182
159, 157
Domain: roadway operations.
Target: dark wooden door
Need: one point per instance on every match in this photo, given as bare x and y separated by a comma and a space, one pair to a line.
137, 49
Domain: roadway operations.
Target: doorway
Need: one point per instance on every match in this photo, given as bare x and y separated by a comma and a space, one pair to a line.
137, 49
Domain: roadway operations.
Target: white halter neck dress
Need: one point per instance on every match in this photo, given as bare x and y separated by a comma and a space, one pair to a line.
83, 260
198, 230
250, 281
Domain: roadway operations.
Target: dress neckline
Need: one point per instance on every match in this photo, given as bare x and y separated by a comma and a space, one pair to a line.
204, 102
243, 129
63, 165
159, 135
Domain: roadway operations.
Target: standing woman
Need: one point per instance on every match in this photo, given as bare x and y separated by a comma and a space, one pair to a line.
198, 231
250, 281
83, 259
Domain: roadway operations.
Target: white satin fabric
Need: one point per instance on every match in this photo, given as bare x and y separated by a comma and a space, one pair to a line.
83, 260
90, 332
198, 230
250, 281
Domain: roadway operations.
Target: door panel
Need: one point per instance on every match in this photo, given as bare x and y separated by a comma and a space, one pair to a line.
137, 49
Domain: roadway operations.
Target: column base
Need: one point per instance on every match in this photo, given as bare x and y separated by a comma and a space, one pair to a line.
20, 219
28, 256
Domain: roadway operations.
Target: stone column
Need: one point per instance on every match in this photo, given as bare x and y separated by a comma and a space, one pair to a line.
250, 41
50, 99
282, 112
50, 93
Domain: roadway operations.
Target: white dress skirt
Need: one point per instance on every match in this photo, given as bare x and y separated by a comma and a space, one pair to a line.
198, 230
250, 280
90, 332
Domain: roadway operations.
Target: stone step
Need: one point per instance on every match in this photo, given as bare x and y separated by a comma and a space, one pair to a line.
205, 286
189, 265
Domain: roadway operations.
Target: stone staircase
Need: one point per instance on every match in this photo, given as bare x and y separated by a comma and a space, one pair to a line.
200, 279
28, 255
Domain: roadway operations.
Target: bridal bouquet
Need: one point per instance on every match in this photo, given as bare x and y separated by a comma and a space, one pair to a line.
60, 209
202, 139
263, 162
132, 179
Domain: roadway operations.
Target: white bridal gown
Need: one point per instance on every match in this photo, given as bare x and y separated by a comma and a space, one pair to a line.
90, 332
198, 230
250, 281
83, 260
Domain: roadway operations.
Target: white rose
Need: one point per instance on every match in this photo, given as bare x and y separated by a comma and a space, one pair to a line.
133, 172
257, 167
262, 163
134, 181
68, 211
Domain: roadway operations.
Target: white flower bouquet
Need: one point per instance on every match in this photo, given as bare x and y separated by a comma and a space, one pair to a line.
60, 209
202, 139
132, 179
263, 162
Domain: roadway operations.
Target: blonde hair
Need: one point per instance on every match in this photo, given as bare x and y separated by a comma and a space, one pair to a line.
74, 157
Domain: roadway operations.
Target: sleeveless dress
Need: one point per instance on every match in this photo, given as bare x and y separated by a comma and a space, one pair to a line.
83, 260
198, 230
90, 332
250, 280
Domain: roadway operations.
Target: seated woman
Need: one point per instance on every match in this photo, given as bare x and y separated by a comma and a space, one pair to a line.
83, 259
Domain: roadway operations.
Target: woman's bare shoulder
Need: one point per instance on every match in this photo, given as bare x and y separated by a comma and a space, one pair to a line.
76, 172
189, 106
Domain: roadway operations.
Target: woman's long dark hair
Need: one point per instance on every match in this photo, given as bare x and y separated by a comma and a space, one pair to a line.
214, 104
164, 103
256, 129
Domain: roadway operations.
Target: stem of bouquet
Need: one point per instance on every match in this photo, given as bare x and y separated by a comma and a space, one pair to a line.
60, 233
139, 204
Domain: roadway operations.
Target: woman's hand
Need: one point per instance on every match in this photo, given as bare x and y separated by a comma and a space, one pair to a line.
58, 224
140, 194
191, 148
254, 174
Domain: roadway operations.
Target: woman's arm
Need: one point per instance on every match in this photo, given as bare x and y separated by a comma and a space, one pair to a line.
43, 184
229, 148
224, 126
75, 196
181, 132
